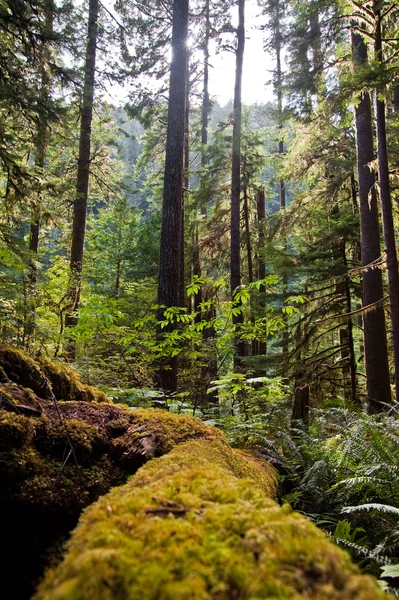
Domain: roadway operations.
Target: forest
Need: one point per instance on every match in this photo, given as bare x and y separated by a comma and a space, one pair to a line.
199, 308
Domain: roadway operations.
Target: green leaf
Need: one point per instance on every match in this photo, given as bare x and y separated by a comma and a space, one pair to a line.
390, 571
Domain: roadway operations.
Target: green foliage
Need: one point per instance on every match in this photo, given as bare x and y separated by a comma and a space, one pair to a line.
342, 473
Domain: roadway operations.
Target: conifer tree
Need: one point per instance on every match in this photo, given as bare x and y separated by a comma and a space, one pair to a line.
169, 266
375, 343
82, 183
235, 228
386, 202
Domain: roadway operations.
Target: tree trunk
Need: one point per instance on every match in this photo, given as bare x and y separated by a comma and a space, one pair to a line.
261, 213
248, 236
205, 96
387, 215
375, 343
82, 184
35, 209
235, 258
169, 265
186, 185
300, 406
282, 193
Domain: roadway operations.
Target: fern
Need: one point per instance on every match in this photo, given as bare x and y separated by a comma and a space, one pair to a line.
382, 508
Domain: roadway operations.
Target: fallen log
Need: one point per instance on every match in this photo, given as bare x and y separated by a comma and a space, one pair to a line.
57, 457
200, 524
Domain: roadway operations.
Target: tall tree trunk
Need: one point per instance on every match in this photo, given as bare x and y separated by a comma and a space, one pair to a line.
204, 141
235, 229
169, 265
186, 185
282, 193
346, 335
248, 245
261, 213
82, 183
375, 342
386, 205
279, 91
317, 53
205, 95
35, 209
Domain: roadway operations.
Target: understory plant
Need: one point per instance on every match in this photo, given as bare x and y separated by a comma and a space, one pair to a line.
342, 472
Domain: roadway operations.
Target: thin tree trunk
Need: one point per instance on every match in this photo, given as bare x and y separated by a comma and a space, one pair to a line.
346, 335
387, 214
248, 236
40, 152
170, 266
375, 342
82, 184
235, 229
248, 246
186, 185
205, 96
279, 90
281, 150
261, 212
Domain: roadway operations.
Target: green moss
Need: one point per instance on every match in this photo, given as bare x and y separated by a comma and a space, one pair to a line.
23, 370
87, 441
16, 431
170, 429
43, 491
66, 385
188, 526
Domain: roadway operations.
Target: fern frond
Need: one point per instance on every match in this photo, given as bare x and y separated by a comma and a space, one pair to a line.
382, 508
355, 481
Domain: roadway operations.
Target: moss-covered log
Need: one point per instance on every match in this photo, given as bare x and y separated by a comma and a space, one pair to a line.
50, 469
44, 377
56, 458
199, 524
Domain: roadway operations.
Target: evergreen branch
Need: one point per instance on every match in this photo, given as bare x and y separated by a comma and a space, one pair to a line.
362, 310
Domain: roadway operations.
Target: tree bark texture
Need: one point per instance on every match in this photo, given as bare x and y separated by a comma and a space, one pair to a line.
235, 229
170, 252
82, 183
375, 342
387, 213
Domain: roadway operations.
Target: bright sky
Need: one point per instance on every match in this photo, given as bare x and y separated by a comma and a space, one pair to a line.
256, 69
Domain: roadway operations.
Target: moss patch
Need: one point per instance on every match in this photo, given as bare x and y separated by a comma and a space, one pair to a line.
66, 384
44, 485
41, 375
191, 526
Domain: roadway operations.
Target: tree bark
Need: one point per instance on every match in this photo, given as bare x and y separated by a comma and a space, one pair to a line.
387, 213
169, 265
186, 185
205, 95
82, 183
300, 406
280, 142
235, 255
261, 213
36, 208
375, 342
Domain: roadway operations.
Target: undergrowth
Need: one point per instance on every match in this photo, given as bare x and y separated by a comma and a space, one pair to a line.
342, 472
